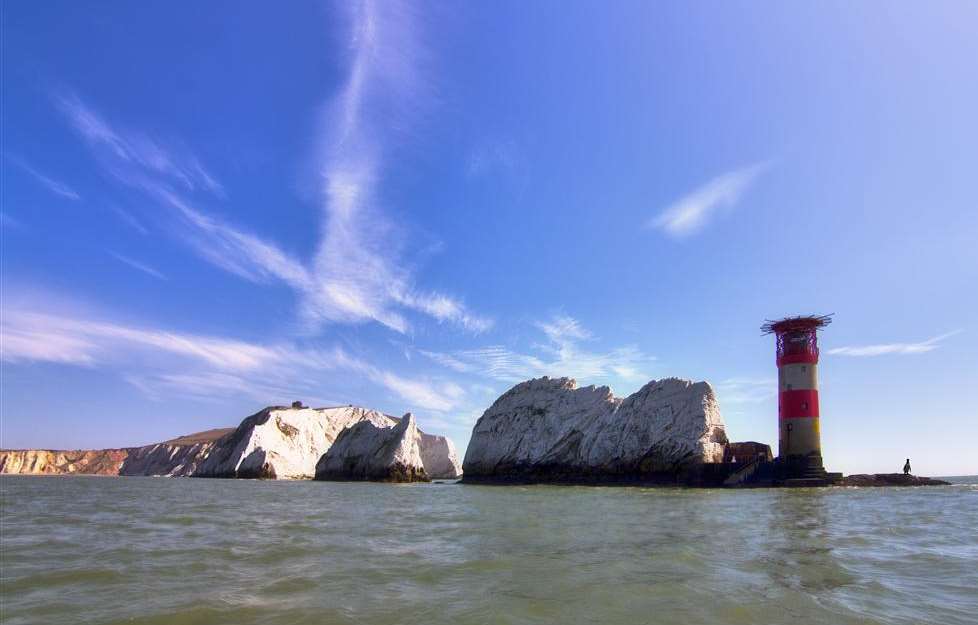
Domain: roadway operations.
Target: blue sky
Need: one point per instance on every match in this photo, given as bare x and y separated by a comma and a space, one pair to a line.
212, 207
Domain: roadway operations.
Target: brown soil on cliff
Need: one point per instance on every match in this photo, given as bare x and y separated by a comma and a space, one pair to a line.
206, 436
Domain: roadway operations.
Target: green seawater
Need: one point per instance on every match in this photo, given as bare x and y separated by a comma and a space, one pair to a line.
181, 551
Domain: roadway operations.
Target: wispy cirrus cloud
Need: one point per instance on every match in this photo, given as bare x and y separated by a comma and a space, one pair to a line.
136, 148
129, 219
43, 336
692, 212
54, 186
891, 348
135, 264
358, 272
202, 365
561, 355
747, 390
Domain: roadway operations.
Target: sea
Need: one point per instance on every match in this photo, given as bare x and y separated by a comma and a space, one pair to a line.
199, 551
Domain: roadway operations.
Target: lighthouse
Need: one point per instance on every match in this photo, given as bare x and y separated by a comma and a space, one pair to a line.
799, 439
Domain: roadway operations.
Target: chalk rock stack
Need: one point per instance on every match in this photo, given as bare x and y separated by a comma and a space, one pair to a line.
439, 457
281, 442
549, 430
366, 451
276, 442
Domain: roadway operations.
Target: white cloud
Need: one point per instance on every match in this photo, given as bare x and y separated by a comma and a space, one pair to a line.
693, 212
564, 356
138, 265
52, 185
49, 337
891, 348
358, 268
358, 273
563, 329
747, 390
440, 398
205, 365
136, 148
127, 217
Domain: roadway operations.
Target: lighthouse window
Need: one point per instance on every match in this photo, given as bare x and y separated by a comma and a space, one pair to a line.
804, 405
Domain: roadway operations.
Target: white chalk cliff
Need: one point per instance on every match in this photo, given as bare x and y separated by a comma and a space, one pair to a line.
176, 457
276, 442
550, 430
367, 451
165, 459
280, 442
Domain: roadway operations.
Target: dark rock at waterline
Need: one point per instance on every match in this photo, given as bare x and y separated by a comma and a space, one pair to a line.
890, 479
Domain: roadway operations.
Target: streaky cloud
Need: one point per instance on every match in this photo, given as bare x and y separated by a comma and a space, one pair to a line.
562, 355
200, 365
54, 186
358, 273
358, 268
138, 265
136, 149
891, 348
693, 212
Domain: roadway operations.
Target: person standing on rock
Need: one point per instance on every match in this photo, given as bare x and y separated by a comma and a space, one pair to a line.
906, 467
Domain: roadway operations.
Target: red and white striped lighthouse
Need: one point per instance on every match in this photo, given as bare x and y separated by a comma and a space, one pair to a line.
799, 440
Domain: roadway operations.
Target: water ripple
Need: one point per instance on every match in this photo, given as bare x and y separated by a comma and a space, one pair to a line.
183, 551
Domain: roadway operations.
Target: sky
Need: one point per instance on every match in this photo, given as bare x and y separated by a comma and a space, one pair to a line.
208, 208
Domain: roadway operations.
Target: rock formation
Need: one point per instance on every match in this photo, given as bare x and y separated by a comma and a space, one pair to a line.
165, 459
58, 462
280, 442
550, 430
178, 456
275, 442
439, 457
367, 451
890, 479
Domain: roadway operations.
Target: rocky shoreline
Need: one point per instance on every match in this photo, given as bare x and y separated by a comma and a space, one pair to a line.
278, 442
890, 479
546, 430
669, 433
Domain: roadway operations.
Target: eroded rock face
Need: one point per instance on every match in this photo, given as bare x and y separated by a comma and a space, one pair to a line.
276, 442
176, 457
366, 451
165, 459
280, 442
439, 457
550, 430
60, 462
